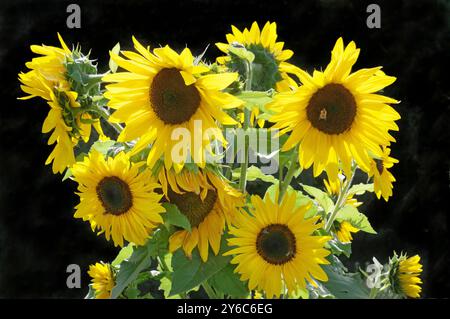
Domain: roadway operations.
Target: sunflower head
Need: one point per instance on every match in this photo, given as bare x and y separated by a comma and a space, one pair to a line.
336, 116
102, 280
278, 241
269, 64
404, 275
163, 96
382, 177
117, 198
64, 78
207, 201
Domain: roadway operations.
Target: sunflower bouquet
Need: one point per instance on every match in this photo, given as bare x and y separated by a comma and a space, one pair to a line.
155, 176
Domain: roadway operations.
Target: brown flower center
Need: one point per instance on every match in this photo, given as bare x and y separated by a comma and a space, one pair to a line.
191, 205
276, 244
173, 101
115, 195
332, 109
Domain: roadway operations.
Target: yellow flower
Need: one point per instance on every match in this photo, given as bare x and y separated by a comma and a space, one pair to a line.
116, 198
336, 115
47, 79
102, 280
164, 91
382, 178
207, 201
404, 275
274, 246
268, 53
50, 66
62, 155
344, 231
255, 295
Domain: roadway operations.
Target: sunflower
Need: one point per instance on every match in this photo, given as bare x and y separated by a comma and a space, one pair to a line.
48, 79
207, 201
51, 65
62, 155
164, 93
404, 275
102, 280
382, 178
336, 115
269, 66
344, 230
275, 246
116, 198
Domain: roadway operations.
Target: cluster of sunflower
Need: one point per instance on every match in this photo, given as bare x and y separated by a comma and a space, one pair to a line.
190, 225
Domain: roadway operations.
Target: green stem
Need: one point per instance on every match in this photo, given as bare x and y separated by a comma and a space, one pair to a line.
373, 293
246, 125
244, 166
289, 175
116, 126
280, 177
209, 291
340, 201
163, 264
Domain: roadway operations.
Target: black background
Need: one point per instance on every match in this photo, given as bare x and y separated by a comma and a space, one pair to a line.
38, 235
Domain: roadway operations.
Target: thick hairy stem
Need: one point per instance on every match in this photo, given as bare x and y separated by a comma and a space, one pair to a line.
116, 126
340, 201
209, 291
246, 125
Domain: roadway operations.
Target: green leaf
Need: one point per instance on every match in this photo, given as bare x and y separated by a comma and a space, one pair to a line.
242, 53
351, 214
301, 294
255, 99
158, 245
130, 269
174, 217
139, 260
344, 285
272, 189
303, 200
168, 260
91, 293
337, 248
113, 65
147, 296
360, 189
123, 254
228, 282
320, 196
188, 273
102, 146
166, 286
254, 173
132, 292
